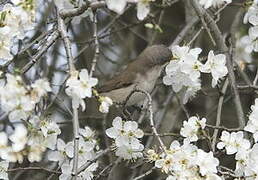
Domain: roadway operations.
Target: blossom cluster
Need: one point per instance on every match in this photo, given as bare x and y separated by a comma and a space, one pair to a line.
143, 6
251, 16
213, 3
186, 162
245, 153
31, 142
18, 99
42, 134
79, 86
184, 70
193, 128
252, 124
247, 163
126, 135
64, 154
243, 51
15, 20
233, 142
245, 156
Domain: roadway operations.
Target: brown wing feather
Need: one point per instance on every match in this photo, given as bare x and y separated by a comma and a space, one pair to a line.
124, 79
115, 83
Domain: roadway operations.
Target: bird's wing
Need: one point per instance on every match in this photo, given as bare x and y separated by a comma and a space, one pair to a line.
118, 82
124, 79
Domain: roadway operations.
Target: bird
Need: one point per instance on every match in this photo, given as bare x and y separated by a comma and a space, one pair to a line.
142, 74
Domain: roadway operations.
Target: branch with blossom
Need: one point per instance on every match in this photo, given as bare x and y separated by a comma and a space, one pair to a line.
166, 139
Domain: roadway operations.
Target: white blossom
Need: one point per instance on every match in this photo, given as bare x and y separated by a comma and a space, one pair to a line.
19, 138
233, 142
216, 66
252, 124
183, 71
18, 99
106, 102
252, 15
43, 133
3, 142
206, 162
87, 174
14, 151
126, 135
40, 88
5, 48
3, 170
118, 6
192, 127
86, 150
187, 162
214, 3
164, 164
17, 20
247, 163
50, 131
244, 49
86, 153
66, 169
79, 86
36, 152
63, 152
87, 133
143, 8
130, 152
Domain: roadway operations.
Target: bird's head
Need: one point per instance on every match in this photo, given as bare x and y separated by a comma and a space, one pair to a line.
156, 54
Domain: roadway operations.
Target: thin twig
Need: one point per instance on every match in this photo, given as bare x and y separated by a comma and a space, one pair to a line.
67, 45
53, 37
256, 78
163, 134
103, 171
154, 130
224, 128
88, 163
95, 36
144, 174
159, 23
219, 109
184, 31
